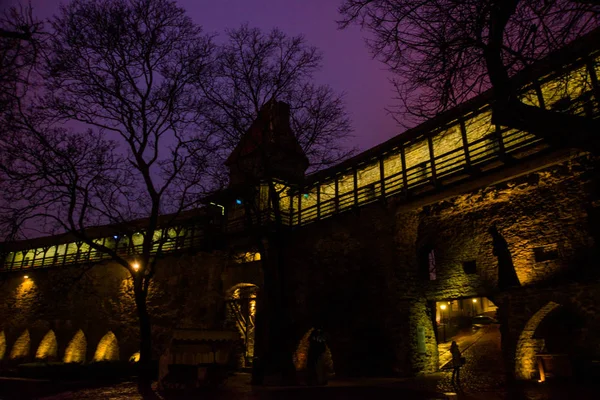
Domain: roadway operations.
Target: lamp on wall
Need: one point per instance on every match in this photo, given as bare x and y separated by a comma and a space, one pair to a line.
443, 308
135, 266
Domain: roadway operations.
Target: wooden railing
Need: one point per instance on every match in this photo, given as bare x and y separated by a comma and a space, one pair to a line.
488, 152
491, 149
193, 237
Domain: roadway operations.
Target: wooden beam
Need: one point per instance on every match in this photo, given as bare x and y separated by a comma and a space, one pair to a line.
432, 160
465, 142
403, 162
318, 201
382, 177
337, 194
355, 176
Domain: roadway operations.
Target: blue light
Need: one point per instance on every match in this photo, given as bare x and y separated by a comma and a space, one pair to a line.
116, 237
305, 195
238, 201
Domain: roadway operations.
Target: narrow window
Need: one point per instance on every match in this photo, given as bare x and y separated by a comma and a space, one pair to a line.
545, 253
432, 266
470, 267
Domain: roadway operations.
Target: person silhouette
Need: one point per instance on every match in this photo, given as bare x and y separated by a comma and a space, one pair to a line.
456, 361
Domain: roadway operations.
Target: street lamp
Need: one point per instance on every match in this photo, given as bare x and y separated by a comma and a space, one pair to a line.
443, 307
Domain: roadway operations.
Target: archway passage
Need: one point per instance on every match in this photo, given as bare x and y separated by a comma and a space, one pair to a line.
241, 310
76, 349
48, 347
555, 345
529, 346
108, 348
301, 354
21, 347
2, 345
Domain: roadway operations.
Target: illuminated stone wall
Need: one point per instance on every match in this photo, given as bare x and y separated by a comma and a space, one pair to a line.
543, 210
63, 314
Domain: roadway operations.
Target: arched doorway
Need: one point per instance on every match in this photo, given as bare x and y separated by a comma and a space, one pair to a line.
548, 343
241, 311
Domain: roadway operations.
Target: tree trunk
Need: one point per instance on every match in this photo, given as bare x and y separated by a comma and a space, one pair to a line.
145, 363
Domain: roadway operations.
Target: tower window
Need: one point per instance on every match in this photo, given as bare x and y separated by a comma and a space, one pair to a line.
470, 267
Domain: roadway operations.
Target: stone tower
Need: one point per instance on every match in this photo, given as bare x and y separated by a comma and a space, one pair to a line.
269, 149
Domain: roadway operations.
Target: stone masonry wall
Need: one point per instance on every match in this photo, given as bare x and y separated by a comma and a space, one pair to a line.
186, 292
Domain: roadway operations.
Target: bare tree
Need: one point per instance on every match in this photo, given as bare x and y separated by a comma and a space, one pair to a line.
20, 37
446, 51
124, 70
251, 68
260, 80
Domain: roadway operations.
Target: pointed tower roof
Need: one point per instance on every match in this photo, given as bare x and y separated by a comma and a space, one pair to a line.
269, 148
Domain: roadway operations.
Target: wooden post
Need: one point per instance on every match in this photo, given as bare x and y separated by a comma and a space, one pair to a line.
594, 79
403, 162
300, 206
382, 177
337, 195
432, 160
538, 91
318, 201
465, 141
355, 176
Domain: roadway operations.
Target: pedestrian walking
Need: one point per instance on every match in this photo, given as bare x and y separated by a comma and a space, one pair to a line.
457, 361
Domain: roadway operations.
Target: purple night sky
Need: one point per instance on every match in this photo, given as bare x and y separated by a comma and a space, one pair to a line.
347, 64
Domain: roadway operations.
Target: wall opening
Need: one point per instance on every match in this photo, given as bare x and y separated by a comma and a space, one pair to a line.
301, 354
241, 310
135, 357
108, 348
76, 349
2, 345
48, 347
21, 347
529, 346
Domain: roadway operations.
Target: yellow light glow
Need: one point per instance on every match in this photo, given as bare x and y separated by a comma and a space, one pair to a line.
108, 348
443, 306
26, 277
135, 357
2, 345
48, 347
474, 300
75, 352
135, 266
21, 347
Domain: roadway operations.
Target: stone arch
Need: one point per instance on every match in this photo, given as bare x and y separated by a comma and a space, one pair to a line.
108, 348
301, 354
528, 346
2, 345
241, 311
48, 347
76, 349
21, 347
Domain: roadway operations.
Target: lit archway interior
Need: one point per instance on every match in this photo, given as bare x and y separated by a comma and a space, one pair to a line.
48, 347
241, 309
76, 349
2, 345
301, 354
21, 347
528, 346
108, 348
